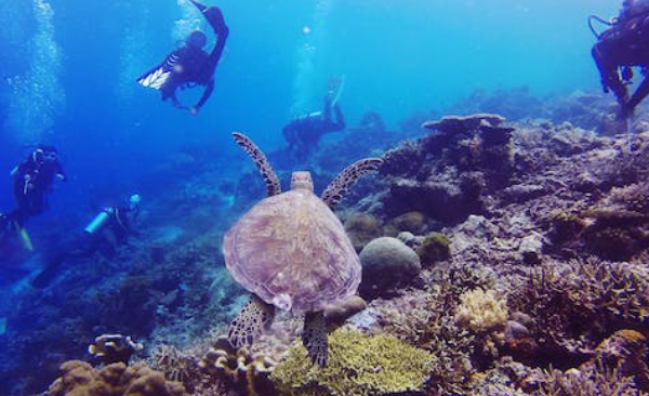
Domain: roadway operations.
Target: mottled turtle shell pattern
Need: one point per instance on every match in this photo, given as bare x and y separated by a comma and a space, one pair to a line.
292, 247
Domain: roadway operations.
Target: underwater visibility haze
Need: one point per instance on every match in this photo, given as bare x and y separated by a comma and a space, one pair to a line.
474, 220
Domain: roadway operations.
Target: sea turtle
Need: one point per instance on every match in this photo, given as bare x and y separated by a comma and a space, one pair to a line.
291, 252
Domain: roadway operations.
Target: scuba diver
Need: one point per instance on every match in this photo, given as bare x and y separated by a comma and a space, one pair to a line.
303, 133
624, 45
110, 227
190, 65
34, 177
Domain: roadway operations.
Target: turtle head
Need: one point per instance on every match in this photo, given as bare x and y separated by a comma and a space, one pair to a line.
301, 181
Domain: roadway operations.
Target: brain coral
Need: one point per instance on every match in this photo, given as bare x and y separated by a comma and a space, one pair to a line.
359, 365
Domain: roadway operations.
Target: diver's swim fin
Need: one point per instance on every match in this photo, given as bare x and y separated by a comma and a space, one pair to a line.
24, 236
336, 86
47, 274
155, 78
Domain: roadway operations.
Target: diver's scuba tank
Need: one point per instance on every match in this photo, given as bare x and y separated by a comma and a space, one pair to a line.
99, 221
134, 201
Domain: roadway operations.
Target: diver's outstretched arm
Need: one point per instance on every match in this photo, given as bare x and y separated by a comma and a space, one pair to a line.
638, 96
198, 5
608, 71
221, 30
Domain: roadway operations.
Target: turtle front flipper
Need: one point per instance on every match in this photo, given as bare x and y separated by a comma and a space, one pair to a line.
339, 186
314, 337
251, 322
273, 186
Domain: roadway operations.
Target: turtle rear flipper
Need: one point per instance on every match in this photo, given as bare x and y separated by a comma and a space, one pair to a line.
314, 337
339, 186
271, 180
251, 322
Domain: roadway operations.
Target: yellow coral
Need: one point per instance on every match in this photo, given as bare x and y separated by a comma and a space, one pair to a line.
481, 311
239, 369
359, 365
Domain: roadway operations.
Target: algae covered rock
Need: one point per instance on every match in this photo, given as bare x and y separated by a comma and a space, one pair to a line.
361, 229
435, 247
414, 222
387, 263
359, 365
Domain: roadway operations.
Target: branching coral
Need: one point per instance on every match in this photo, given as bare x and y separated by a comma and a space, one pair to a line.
81, 379
426, 319
177, 365
573, 306
359, 365
602, 382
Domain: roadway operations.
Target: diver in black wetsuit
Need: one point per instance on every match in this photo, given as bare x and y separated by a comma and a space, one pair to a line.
303, 134
620, 48
32, 178
112, 226
190, 65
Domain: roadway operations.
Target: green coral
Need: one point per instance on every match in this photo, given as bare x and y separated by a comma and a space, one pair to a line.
359, 365
434, 248
414, 222
362, 228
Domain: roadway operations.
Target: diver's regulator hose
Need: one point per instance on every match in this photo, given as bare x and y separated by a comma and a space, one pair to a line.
592, 18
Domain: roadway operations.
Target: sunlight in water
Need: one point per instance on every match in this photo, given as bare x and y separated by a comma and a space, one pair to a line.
133, 57
37, 95
189, 21
305, 89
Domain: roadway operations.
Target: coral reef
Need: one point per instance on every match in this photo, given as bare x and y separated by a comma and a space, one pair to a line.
573, 306
338, 314
79, 378
177, 365
387, 264
446, 175
618, 367
434, 247
359, 365
481, 311
361, 229
414, 222
239, 369
535, 281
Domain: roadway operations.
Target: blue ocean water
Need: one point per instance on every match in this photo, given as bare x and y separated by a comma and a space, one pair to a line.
68, 74
69, 69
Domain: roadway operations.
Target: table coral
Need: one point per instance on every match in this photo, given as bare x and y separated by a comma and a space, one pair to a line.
359, 365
